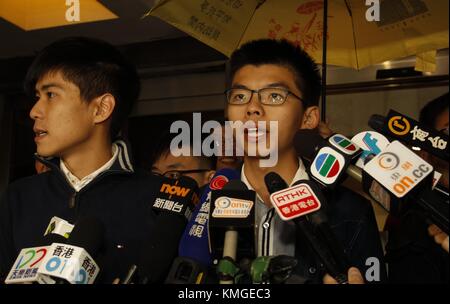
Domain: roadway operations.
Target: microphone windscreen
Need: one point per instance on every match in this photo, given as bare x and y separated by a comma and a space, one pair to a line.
88, 234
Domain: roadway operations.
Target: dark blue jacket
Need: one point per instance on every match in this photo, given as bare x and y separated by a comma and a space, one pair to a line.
352, 219
120, 197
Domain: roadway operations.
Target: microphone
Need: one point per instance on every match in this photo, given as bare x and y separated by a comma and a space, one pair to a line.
232, 210
175, 203
27, 263
381, 187
411, 132
401, 175
371, 143
294, 203
194, 253
333, 159
73, 262
59, 226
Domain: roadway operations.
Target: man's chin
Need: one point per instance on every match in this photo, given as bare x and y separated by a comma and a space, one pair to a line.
45, 153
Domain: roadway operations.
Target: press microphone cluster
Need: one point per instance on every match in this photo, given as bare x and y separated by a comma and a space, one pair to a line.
61, 260
392, 174
174, 205
194, 261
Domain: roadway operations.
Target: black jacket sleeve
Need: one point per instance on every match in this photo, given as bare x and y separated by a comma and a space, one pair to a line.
7, 251
354, 223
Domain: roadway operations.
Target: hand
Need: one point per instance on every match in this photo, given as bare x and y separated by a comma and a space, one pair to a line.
354, 277
439, 236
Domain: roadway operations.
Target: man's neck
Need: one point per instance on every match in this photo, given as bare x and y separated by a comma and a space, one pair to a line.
286, 167
87, 157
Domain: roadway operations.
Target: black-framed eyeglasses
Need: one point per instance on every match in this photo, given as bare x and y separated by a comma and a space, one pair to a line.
176, 174
267, 96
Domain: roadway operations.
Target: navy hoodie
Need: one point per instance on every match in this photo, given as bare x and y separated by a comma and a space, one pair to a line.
120, 197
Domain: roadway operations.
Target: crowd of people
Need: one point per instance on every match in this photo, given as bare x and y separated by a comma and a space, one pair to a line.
84, 90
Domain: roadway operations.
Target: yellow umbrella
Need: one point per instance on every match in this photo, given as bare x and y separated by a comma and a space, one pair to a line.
405, 27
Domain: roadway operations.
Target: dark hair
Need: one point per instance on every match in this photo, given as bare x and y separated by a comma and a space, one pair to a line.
162, 149
432, 110
96, 67
283, 53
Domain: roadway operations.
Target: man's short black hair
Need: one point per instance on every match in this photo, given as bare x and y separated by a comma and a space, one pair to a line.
283, 53
162, 149
96, 67
433, 109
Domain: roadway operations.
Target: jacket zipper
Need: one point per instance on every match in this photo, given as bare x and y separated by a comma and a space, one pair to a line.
72, 200
266, 233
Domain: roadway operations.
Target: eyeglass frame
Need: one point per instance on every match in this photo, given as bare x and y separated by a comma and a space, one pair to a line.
182, 172
287, 91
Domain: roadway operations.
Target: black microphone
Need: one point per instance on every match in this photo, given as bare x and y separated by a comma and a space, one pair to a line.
232, 214
194, 260
411, 132
175, 203
294, 202
74, 262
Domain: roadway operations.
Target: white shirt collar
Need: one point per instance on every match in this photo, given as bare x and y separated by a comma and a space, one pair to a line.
78, 184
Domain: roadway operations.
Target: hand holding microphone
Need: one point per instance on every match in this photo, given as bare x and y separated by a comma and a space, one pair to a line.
354, 277
440, 237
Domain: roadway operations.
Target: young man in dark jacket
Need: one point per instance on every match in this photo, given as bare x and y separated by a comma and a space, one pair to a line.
271, 80
84, 90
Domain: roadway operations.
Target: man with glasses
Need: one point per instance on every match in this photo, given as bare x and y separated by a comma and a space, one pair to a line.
199, 168
271, 80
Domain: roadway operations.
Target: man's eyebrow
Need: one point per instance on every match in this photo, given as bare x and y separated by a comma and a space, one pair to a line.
175, 166
47, 86
278, 85
270, 85
238, 86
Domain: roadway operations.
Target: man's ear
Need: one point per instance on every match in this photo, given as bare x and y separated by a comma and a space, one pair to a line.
311, 118
208, 176
103, 107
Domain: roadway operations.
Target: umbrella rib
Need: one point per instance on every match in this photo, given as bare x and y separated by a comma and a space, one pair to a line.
260, 2
353, 32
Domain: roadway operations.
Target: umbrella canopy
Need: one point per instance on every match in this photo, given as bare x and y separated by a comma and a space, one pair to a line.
406, 27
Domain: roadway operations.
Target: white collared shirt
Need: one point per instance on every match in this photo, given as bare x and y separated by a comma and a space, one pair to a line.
275, 236
79, 184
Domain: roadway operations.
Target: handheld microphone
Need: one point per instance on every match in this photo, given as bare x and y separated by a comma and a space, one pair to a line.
332, 160
411, 132
194, 253
292, 204
73, 262
381, 188
175, 203
25, 268
232, 210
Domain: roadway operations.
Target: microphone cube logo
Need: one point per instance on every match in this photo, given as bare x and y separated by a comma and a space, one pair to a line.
342, 143
70, 263
218, 182
226, 207
295, 201
327, 165
25, 268
371, 143
398, 169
